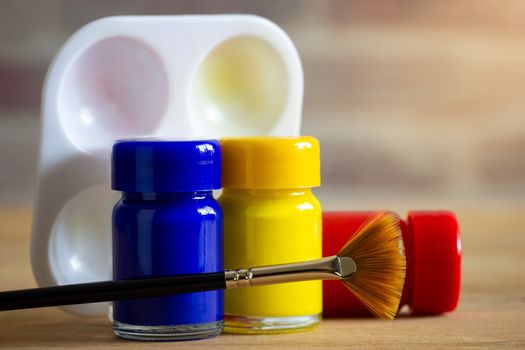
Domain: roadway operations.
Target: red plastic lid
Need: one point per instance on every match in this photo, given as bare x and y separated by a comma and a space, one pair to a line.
436, 267
433, 251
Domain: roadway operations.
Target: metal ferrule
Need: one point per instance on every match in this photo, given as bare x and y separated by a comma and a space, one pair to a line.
330, 268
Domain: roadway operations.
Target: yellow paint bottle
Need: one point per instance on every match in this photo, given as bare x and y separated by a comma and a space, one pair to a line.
271, 217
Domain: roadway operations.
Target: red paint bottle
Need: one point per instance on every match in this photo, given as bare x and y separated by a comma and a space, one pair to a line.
433, 251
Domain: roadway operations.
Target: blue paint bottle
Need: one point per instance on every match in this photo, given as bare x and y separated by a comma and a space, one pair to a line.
167, 223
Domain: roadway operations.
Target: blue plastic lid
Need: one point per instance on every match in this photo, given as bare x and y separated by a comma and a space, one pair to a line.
166, 166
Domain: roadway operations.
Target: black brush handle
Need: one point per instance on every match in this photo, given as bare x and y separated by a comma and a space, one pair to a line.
110, 291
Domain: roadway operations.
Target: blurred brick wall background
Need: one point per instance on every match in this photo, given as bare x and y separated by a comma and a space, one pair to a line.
417, 104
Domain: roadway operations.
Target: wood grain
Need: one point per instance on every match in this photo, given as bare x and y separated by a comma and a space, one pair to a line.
491, 312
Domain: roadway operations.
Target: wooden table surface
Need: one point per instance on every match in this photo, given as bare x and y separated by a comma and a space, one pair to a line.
491, 312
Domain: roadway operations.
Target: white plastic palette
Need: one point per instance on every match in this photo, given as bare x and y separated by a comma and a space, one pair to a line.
161, 76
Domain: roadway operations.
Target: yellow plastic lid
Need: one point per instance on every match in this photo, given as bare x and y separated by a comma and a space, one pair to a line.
270, 162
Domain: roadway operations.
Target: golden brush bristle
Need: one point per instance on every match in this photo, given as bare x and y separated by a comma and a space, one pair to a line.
377, 249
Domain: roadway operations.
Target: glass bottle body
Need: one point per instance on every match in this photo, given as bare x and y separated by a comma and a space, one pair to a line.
161, 234
265, 227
